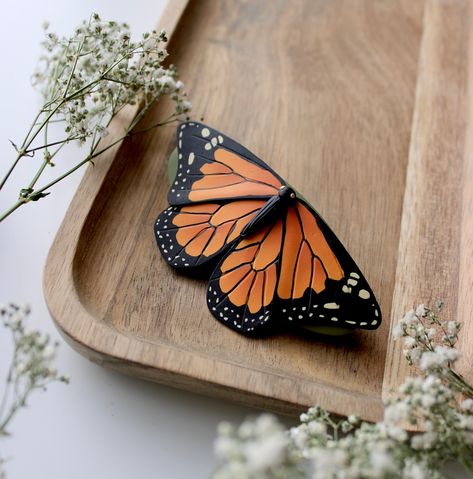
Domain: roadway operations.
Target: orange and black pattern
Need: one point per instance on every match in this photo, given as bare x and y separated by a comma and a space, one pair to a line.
191, 235
272, 259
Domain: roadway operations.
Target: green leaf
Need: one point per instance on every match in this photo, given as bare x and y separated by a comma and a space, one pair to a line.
37, 196
24, 192
329, 330
172, 166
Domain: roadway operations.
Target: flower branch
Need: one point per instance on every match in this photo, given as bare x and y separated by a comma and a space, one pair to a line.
427, 423
86, 80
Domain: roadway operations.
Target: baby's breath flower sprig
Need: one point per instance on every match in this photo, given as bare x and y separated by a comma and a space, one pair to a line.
429, 344
427, 422
258, 448
86, 80
31, 367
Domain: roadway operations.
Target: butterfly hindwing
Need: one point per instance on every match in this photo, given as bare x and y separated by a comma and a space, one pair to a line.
213, 167
242, 289
294, 271
319, 283
190, 236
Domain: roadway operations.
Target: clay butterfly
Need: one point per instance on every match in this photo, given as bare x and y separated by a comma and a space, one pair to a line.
271, 257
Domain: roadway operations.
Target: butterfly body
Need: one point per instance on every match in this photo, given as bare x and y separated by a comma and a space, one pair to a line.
272, 209
272, 258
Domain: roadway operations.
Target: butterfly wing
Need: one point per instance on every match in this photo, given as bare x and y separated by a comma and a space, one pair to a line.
296, 271
213, 167
242, 288
190, 236
319, 284
218, 189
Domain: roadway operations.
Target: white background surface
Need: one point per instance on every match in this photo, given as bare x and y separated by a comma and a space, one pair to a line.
103, 425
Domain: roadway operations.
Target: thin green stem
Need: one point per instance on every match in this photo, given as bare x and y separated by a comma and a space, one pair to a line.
101, 77
19, 403
40, 112
12, 208
15, 163
89, 157
65, 97
27, 142
46, 162
6, 393
467, 464
10, 171
166, 122
460, 383
73, 69
54, 143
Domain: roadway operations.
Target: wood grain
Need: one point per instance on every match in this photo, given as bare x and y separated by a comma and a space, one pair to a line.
436, 244
325, 92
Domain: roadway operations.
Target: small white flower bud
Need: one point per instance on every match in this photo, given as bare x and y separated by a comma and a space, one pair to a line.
421, 310
466, 405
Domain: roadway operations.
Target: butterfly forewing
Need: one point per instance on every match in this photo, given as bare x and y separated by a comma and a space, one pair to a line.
213, 167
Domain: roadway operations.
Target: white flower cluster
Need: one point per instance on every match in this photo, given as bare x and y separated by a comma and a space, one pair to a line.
31, 367
88, 78
438, 405
429, 341
256, 449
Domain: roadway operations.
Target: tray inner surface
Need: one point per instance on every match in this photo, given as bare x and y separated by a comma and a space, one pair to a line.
323, 91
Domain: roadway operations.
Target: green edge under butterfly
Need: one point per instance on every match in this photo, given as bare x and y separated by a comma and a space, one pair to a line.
324, 330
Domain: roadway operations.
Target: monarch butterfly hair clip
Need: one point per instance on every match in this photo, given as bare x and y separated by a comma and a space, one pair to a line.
271, 258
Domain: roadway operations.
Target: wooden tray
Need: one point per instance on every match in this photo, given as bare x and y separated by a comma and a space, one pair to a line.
362, 106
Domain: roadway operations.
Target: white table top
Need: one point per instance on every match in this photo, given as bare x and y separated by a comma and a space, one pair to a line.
103, 424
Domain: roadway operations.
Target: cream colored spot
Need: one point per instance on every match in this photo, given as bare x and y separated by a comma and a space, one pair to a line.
363, 294
331, 306
191, 158
374, 322
363, 324
220, 138
208, 146
214, 141
376, 312
355, 275
352, 282
346, 289
205, 132
334, 318
350, 322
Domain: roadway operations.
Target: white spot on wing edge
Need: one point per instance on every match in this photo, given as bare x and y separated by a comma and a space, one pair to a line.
363, 294
205, 132
331, 306
191, 158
